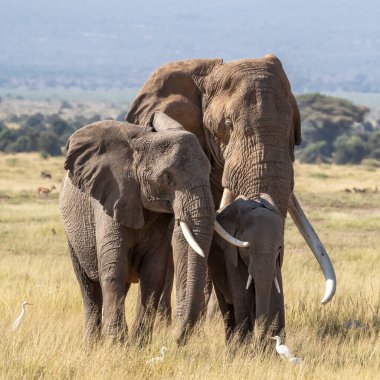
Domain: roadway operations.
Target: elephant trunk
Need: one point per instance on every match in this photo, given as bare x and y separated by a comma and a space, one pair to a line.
259, 180
267, 168
259, 164
195, 208
263, 273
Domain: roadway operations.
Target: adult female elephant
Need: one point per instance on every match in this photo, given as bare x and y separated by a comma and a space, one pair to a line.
247, 121
122, 185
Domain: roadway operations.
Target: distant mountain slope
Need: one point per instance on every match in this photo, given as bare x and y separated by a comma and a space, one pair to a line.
324, 45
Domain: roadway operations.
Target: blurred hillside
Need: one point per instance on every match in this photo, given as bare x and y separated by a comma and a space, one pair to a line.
334, 130
324, 45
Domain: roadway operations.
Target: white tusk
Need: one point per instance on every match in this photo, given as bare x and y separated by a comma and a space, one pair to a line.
227, 237
227, 198
277, 285
248, 281
315, 245
190, 239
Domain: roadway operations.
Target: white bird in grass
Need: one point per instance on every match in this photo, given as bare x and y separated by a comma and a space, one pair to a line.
17, 323
285, 352
158, 359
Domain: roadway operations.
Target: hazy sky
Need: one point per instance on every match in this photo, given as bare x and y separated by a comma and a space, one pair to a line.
310, 37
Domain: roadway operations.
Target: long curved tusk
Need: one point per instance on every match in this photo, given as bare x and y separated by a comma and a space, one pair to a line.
227, 198
315, 245
190, 239
277, 285
248, 281
227, 237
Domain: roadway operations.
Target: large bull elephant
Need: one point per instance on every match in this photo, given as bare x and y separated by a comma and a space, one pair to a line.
247, 121
123, 186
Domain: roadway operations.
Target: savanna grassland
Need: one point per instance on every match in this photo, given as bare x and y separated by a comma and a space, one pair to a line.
339, 340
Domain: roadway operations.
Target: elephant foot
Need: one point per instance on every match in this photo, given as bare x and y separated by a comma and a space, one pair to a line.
164, 317
92, 336
184, 335
141, 338
115, 334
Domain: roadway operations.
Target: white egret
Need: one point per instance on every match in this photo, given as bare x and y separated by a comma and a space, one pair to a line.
17, 323
158, 359
285, 352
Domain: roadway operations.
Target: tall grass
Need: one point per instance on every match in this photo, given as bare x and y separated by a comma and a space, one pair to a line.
339, 340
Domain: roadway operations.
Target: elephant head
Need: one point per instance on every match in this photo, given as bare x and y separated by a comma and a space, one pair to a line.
161, 168
246, 119
260, 224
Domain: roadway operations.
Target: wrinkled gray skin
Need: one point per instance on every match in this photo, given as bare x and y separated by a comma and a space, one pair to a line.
260, 224
124, 185
244, 115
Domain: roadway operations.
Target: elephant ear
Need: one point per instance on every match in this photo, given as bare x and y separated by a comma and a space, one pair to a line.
295, 135
100, 163
228, 218
174, 89
162, 122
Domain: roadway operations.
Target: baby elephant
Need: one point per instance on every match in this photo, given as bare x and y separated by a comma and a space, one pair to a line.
247, 281
124, 187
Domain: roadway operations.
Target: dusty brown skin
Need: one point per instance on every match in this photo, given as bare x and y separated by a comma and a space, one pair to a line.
244, 115
125, 187
262, 226
242, 112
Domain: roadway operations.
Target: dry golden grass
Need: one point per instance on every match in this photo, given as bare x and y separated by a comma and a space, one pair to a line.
35, 266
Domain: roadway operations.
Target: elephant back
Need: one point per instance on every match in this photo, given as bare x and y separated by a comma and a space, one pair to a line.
174, 89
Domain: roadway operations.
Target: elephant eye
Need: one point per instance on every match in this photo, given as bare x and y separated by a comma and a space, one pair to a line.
228, 123
167, 178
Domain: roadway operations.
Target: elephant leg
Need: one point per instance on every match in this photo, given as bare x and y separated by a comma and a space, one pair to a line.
152, 280
114, 291
243, 301
276, 316
112, 250
164, 306
212, 304
228, 314
92, 300
243, 323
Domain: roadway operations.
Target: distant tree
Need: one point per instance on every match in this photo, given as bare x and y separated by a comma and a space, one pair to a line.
58, 125
373, 144
48, 142
349, 150
12, 118
20, 145
35, 121
121, 116
66, 105
315, 152
7, 136
324, 120
93, 119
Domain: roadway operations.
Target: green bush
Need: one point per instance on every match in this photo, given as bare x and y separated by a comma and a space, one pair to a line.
39, 133
349, 150
335, 129
316, 152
